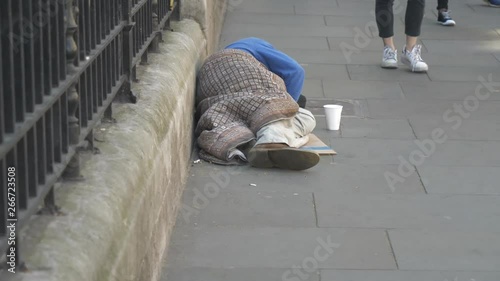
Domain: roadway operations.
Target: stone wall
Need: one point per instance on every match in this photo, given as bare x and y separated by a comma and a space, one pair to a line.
210, 15
116, 223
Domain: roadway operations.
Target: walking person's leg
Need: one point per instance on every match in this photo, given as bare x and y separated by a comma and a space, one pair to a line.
385, 22
411, 55
442, 4
444, 16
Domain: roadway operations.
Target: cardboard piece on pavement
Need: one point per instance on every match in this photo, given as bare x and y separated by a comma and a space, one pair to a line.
318, 146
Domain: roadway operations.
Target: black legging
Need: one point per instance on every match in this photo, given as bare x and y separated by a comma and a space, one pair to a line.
442, 4
385, 17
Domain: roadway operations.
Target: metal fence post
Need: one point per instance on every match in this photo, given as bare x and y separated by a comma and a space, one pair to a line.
73, 168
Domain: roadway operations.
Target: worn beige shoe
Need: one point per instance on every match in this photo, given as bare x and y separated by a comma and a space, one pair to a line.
277, 155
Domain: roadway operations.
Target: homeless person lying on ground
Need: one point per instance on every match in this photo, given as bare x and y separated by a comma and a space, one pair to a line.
247, 107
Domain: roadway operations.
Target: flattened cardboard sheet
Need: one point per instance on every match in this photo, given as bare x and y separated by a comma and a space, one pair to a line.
318, 146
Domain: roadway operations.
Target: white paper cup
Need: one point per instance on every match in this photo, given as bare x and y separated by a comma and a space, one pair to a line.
333, 113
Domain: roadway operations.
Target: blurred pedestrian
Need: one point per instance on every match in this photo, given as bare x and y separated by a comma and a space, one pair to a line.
411, 54
444, 16
493, 3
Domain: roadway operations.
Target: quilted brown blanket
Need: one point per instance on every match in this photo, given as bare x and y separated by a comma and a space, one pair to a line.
236, 96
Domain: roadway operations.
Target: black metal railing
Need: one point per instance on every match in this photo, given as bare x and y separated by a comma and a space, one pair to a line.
62, 64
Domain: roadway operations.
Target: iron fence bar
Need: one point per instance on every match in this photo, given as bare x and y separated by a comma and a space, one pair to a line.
21, 174
34, 202
40, 149
61, 41
59, 80
47, 51
166, 18
18, 58
106, 103
38, 58
137, 7
2, 117
3, 201
48, 101
49, 141
54, 38
7, 52
32, 167
141, 51
29, 55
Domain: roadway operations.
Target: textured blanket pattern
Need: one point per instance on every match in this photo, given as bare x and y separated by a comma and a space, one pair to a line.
236, 96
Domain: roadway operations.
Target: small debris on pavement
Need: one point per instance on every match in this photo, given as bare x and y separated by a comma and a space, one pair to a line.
197, 161
253, 184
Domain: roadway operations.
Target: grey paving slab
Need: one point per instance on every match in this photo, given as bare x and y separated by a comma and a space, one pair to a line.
233, 274
444, 90
368, 43
351, 108
316, 56
482, 9
497, 55
365, 23
325, 177
355, 56
327, 10
446, 250
258, 232
460, 180
470, 32
369, 128
466, 130
361, 56
362, 89
279, 30
462, 32
466, 60
387, 108
371, 151
376, 73
277, 19
361, 5
444, 73
407, 275
219, 206
466, 153
225, 247
325, 71
299, 5
467, 19
461, 46
263, 7
425, 211
313, 88
290, 42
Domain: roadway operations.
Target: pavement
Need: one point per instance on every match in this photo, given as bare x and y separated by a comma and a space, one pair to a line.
413, 193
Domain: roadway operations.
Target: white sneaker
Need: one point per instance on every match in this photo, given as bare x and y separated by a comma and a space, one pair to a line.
390, 58
413, 59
